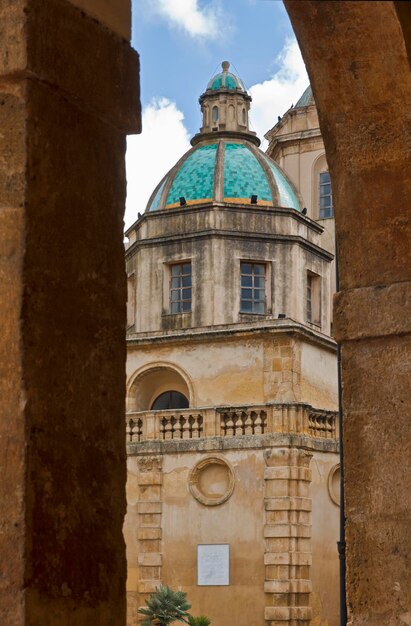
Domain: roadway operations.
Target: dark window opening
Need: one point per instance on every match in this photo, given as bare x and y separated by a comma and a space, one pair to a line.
170, 400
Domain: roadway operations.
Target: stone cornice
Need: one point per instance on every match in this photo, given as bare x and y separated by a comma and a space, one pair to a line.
226, 134
227, 234
313, 133
241, 442
270, 134
202, 206
265, 326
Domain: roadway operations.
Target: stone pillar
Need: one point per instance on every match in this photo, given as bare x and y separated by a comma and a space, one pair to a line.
359, 65
69, 95
150, 559
287, 533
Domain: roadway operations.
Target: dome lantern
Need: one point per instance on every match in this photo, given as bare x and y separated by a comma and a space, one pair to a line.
225, 105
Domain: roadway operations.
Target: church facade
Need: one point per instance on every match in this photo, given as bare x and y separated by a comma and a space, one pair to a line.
231, 418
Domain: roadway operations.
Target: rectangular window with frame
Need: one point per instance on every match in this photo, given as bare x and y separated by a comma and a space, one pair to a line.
326, 196
253, 276
313, 298
180, 288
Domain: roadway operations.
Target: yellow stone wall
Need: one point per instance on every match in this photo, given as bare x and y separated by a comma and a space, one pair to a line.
241, 369
165, 523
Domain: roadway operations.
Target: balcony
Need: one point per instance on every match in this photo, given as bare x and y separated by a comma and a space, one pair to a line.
194, 423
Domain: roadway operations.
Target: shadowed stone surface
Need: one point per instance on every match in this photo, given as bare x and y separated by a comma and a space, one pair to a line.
359, 70
68, 95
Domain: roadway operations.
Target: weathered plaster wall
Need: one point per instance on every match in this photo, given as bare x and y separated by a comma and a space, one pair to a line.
242, 370
318, 375
325, 534
174, 523
238, 522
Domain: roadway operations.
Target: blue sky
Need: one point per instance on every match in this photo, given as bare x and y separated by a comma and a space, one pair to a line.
182, 43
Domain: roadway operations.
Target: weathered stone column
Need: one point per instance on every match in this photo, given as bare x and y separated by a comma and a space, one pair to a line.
359, 65
287, 533
69, 95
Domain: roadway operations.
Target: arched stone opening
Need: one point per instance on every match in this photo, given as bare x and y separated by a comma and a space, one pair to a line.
150, 382
358, 63
356, 53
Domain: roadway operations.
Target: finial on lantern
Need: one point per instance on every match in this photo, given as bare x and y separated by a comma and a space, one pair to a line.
225, 65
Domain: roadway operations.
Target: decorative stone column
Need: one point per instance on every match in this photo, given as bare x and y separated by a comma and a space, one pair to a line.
287, 533
150, 479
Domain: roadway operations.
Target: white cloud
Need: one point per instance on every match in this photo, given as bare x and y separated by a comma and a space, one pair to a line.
274, 97
189, 16
150, 155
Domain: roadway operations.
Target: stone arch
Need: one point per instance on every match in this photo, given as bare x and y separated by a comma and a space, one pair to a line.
359, 68
149, 381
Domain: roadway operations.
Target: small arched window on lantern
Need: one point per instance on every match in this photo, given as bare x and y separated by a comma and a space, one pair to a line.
215, 115
244, 117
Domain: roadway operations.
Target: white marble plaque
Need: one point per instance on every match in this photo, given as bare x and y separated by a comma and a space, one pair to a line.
213, 564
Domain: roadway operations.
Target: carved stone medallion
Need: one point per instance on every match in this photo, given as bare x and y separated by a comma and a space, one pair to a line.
334, 484
211, 481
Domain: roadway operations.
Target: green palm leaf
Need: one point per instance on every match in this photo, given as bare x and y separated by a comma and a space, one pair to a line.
164, 607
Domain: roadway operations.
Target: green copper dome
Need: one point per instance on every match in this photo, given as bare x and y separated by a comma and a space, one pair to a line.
225, 80
224, 170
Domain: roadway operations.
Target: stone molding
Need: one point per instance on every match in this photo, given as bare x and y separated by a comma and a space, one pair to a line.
287, 533
241, 442
269, 325
149, 531
236, 235
219, 205
195, 478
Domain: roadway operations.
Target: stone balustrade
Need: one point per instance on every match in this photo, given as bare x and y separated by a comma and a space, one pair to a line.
197, 422
322, 424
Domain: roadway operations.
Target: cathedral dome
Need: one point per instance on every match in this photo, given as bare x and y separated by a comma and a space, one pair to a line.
224, 170
307, 99
225, 80
225, 163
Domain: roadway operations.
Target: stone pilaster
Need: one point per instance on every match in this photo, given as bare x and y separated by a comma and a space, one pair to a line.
149, 531
287, 533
